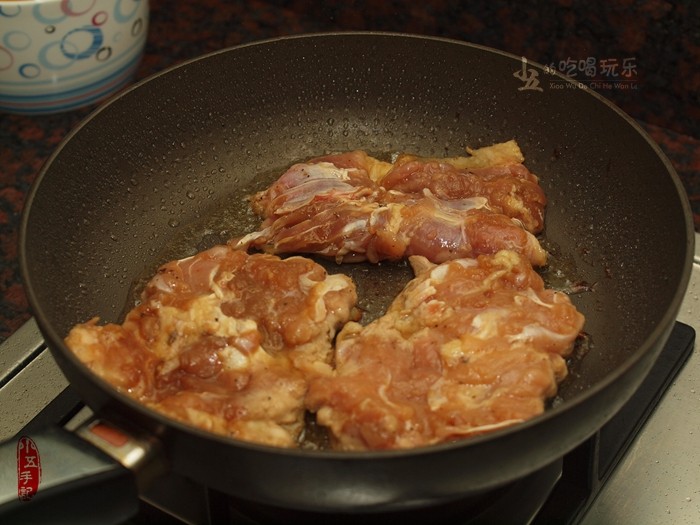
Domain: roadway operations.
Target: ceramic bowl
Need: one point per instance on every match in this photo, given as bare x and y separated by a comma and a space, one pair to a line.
58, 55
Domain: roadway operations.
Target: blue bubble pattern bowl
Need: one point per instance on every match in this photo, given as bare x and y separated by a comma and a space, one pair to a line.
58, 55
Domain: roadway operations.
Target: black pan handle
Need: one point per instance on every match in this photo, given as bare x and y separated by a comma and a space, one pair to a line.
93, 475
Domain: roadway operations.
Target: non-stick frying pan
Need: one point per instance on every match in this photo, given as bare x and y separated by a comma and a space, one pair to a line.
173, 150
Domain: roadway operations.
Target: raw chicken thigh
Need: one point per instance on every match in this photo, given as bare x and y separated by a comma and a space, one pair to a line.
353, 207
469, 346
226, 341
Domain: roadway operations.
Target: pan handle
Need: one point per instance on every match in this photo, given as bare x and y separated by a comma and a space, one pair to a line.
91, 475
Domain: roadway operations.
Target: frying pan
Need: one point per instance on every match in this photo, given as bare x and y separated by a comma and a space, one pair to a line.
118, 193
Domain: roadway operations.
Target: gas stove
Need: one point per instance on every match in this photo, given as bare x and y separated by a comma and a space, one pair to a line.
640, 468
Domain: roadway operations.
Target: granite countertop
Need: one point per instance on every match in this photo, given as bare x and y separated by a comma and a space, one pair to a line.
659, 39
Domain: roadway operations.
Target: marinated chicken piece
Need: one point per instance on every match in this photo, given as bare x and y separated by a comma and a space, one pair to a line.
510, 189
351, 230
225, 341
334, 206
469, 346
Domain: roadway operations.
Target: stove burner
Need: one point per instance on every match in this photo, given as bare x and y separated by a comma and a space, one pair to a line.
559, 493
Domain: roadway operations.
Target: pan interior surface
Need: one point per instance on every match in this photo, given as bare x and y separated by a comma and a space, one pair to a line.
173, 151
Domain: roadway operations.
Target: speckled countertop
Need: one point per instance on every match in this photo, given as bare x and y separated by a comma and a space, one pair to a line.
659, 42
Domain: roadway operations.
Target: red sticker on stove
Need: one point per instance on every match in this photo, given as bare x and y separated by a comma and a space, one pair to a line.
28, 468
